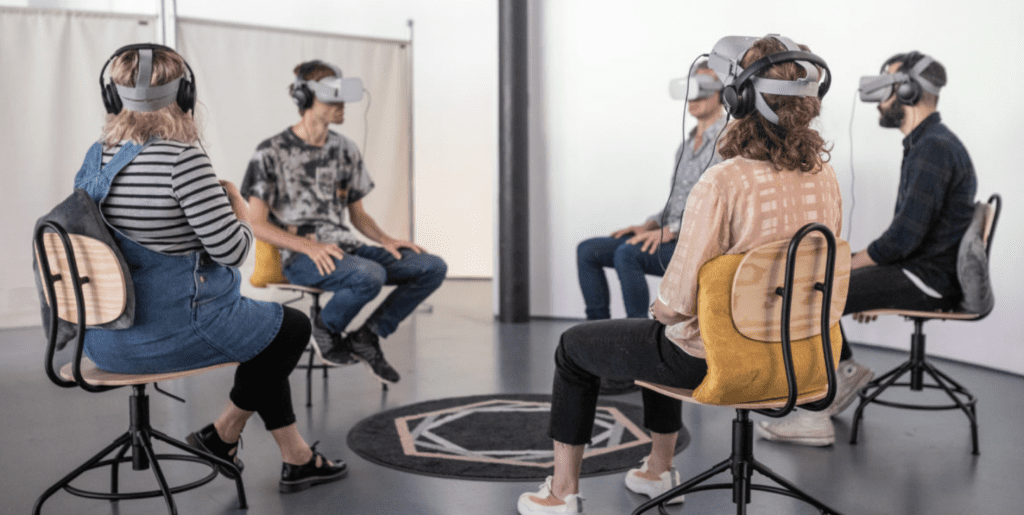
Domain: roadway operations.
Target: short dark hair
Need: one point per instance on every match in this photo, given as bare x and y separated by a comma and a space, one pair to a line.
934, 73
312, 71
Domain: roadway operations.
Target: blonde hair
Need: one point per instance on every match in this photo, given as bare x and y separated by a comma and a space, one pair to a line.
169, 123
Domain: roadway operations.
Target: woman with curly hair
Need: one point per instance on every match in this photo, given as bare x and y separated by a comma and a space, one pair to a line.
774, 179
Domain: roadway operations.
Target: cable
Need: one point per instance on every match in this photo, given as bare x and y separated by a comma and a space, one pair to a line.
853, 178
679, 159
366, 120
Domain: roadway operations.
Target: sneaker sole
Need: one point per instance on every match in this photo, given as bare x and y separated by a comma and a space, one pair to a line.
306, 484
797, 440
526, 509
637, 489
325, 361
374, 373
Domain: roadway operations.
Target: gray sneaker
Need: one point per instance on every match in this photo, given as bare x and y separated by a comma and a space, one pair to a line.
801, 428
850, 378
330, 347
365, 345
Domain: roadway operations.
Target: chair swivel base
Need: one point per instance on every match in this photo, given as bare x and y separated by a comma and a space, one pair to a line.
742, 465
139, 439
917, 366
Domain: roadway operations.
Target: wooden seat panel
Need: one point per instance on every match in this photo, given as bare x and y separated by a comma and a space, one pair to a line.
686, 395
98, 377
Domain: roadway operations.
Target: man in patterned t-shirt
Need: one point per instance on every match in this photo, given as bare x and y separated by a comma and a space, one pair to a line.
299, 184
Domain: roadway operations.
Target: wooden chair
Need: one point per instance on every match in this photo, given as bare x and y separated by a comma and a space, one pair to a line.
84, 284
774, 303
918, 364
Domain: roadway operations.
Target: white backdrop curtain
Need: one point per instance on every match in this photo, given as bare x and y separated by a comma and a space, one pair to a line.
243, 73
50, 112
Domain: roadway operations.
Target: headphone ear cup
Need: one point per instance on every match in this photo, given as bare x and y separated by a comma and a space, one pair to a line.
302, 96
730, 100
111, 99
909, 92
186, 95
739, 99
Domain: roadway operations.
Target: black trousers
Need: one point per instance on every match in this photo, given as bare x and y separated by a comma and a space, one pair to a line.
886, 287
630, 348
261, 384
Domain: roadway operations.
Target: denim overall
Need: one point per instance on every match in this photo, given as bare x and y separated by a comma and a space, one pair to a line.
189, 312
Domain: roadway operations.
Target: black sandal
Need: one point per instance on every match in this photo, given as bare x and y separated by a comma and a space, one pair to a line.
207, 440
295, 478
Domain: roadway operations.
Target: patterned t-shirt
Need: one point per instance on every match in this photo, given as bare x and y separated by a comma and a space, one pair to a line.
307, 188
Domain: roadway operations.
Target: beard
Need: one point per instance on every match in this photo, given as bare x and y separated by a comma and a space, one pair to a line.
892, 116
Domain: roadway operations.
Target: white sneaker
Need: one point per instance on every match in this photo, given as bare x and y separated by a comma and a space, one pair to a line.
573, 503
850, 378
801, 428
651, 488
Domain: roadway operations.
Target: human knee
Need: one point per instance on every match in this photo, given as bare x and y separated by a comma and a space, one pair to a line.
587, 252
626, 254
367, 280
434, 269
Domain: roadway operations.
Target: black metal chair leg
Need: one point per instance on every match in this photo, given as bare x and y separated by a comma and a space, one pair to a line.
685, 487
792, 489
967, 408
147, 446
115, 466
865, 399
66, 480
239, 485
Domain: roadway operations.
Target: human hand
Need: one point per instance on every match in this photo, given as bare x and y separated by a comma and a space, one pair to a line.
649, 240
392, 246
632, 229
864, 317
322, 255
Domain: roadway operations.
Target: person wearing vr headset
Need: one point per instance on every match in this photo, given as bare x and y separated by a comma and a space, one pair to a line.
775, 179
912, 265
643, 249
183, 234
300, 183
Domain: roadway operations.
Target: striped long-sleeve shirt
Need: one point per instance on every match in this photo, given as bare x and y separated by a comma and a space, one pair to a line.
169, 200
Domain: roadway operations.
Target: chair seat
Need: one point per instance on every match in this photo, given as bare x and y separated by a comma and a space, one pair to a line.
686, 395
294, 287
96, 376
939, 315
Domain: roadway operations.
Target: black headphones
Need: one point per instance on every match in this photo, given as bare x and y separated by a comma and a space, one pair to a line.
186, 97
907, 93
301, 93
739, 96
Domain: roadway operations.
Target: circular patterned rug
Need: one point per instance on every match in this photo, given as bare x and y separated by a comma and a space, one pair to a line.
496, 437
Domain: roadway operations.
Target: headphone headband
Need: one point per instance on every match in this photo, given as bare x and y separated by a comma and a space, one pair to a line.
143, 97
744, 90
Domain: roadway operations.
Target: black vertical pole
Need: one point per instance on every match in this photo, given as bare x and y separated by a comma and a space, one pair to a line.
513, 183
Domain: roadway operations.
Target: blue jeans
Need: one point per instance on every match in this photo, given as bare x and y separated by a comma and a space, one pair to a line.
631, 264
359, 277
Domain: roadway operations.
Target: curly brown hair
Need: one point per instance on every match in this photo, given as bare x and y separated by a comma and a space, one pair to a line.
790, 145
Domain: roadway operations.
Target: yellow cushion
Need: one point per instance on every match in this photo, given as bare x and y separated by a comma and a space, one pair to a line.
268, 266
742, 370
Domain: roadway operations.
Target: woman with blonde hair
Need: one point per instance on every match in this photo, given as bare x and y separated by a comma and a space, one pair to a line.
183, 234
774, 179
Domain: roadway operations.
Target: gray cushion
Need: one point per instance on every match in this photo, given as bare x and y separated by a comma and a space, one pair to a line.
972, 266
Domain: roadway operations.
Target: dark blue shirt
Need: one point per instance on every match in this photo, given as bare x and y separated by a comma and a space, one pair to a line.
933, 207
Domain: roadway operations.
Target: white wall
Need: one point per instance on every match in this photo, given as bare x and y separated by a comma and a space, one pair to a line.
455, 50
608, 129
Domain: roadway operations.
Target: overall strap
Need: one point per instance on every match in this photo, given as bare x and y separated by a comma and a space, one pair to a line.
95, 178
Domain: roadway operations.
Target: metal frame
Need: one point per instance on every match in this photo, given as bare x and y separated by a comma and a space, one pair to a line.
140, 434
741, 464
918, 365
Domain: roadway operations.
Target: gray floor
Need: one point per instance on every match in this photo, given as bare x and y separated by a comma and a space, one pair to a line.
907, 462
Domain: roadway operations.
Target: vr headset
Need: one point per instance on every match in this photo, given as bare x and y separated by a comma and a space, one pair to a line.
329, 90
744, 90
699, 86
906, 86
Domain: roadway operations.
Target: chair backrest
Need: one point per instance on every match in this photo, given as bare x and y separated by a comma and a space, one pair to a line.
269, 269
972, 263
756, 306
769, 321
102, 280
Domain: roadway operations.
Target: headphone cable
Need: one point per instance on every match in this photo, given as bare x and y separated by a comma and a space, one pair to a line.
675, 171
853, 177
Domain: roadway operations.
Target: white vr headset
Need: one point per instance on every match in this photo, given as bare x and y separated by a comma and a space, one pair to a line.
878, 88
329, 90
696, 87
